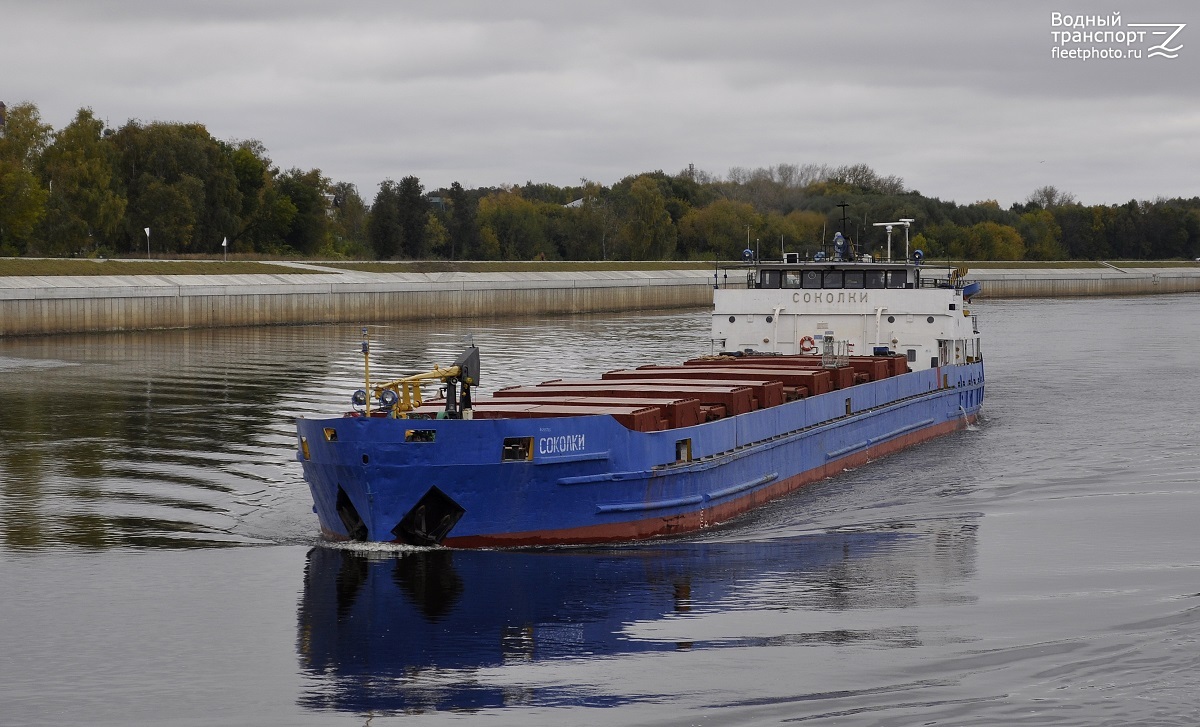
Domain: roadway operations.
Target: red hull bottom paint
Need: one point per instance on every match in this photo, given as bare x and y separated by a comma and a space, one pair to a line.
707, 517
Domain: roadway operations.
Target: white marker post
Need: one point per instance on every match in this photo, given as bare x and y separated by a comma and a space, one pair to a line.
147, 243
225, 248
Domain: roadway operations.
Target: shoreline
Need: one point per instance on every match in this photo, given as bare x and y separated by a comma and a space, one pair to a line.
32, 306
42, 305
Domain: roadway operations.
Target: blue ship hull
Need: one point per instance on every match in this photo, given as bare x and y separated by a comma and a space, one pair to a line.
588, 479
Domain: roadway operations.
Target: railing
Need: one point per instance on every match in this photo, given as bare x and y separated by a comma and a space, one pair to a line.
945, 283
835, 354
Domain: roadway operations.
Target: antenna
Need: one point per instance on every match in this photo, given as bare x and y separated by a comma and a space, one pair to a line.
889, 225
843, 205
907, 221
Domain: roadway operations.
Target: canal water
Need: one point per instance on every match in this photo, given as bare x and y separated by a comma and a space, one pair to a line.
159, 565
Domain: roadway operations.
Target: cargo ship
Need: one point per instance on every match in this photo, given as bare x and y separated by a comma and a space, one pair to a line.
815, 366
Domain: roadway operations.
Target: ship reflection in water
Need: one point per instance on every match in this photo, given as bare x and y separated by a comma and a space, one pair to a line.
392, 632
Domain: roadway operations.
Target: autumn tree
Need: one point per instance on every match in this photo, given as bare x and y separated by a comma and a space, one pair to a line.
437, 238
993, 241
514, 223
1042, 236
718, 230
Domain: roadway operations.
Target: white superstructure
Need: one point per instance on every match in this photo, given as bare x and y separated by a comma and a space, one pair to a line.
861, 308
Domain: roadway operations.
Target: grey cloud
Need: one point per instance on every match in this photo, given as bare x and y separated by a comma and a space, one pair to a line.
961, 98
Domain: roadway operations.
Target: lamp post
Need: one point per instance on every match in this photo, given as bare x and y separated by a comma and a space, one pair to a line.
147, 243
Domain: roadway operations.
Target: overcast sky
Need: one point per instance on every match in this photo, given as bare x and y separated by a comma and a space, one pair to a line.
963, 99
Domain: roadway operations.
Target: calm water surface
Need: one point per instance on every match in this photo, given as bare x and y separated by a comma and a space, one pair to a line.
158, 563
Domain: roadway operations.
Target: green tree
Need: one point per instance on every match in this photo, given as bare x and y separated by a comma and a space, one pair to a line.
945, 240
23, 137
1169, 231
309, 230
383, 228
170, 210
413, 211
178, 181
584, 232
581, 229
253, 172
349, 222
463, 230
84, 209
268, 227
648, 233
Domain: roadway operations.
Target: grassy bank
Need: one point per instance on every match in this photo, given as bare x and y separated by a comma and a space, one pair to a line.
512, 266
1069, 264
73, 266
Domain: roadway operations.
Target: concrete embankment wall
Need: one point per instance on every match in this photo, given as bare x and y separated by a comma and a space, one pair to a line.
66, 304
1065, 282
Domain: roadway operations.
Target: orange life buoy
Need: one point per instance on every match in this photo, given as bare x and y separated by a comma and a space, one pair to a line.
807, 345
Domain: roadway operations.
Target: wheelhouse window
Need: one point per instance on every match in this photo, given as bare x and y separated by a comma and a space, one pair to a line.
854, 279
768, 279
874, 279
897, 278
792, 278
833, 279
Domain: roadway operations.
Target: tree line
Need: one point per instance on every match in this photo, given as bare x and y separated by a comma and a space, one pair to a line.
91, 190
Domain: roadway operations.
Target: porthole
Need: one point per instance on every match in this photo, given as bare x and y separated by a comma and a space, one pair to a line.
366, 459
891, 319
929, 319
770, 318
732, 319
